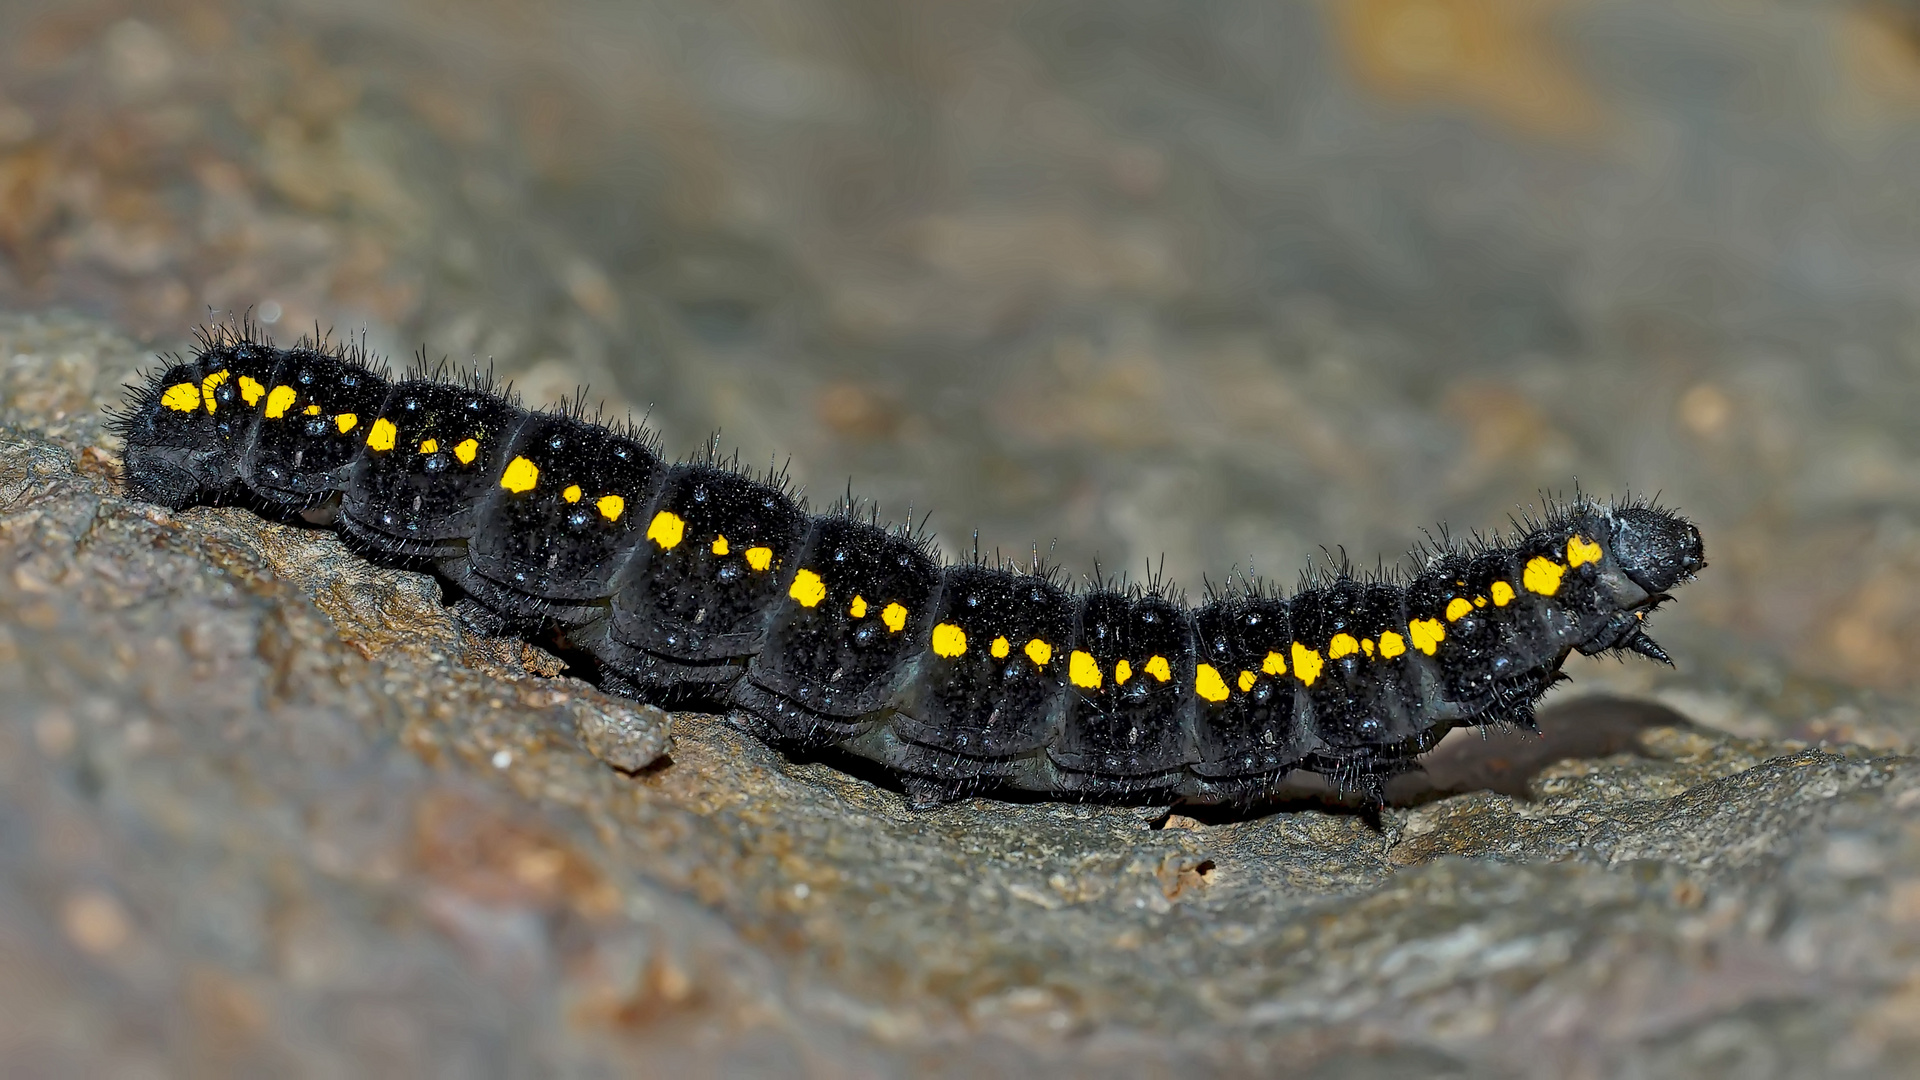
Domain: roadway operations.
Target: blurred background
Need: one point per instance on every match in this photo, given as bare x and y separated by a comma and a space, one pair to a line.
1213, 283
1201, 285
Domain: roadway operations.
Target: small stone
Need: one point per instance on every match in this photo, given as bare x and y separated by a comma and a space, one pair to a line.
628, 736
53, 731
94, 921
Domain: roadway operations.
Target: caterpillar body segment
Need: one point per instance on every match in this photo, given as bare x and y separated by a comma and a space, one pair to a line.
1247, 725
409, 493
707, 602
998, 689
552, 541
694, 582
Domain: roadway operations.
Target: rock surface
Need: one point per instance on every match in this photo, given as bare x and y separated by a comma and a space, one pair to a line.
1201, 290
268, 808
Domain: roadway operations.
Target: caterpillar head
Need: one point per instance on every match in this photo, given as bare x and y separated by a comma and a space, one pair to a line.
1655, 548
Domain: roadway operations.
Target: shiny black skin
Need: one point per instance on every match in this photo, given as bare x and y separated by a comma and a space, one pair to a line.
694, 621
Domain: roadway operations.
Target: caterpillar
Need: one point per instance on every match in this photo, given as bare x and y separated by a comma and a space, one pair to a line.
697, 582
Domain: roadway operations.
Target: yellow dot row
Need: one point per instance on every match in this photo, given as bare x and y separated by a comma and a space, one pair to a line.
808, 591
188, 397
950, 642
668, 529
520, 476
1541, 576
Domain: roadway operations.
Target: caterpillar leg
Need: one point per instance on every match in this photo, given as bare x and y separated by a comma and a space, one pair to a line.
790, 723
647, 676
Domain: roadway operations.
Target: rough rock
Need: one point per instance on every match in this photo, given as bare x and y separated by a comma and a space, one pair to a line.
1197, 290
266, 808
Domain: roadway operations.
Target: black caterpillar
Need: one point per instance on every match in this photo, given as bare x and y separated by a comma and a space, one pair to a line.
697, 582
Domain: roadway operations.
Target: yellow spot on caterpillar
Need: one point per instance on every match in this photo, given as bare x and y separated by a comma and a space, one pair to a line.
466, 450
429, 446
211, 383
1366, 646
279, 401
1001, 647
1427, 634
1306, 663
1458, 608
1083, 671
759, 557
312, 410
250, 390
522, 474
1479, 601
949, 641
1502, 594
181, 397
859, 608
895, 617
1542, 575
572, 493
1122, 671
1247, 679
667, 530
720, 545
382, 435
346, 422
1342, 646
808, 588
1581, 551
1157, 667
1391, 645
1274, 664
1206, 682
611, 506
1039, 652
